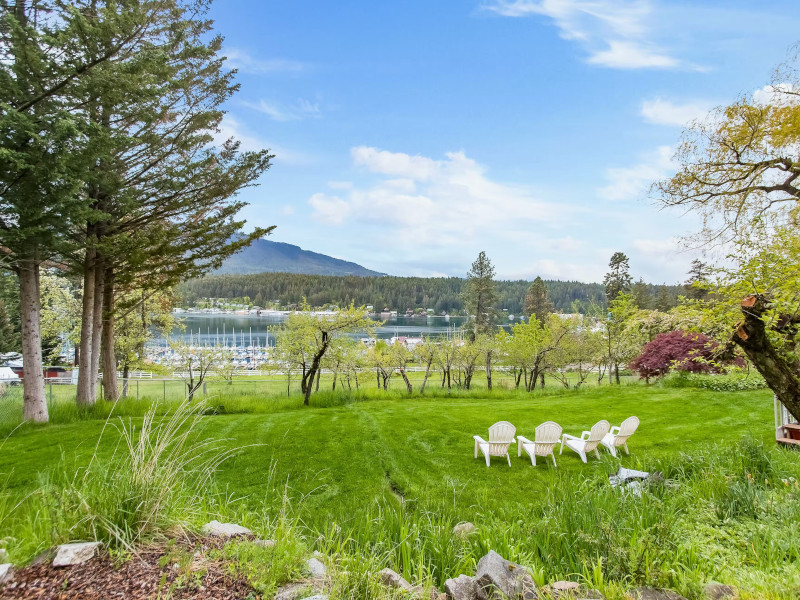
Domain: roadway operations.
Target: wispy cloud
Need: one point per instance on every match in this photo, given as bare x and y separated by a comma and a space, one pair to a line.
248, 141
679, 114
247, 63
301, 109
632, 183
616, 33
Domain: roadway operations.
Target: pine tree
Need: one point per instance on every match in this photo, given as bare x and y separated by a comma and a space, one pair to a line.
618, 279
640, 293
480, 296
664, 301
537, 302
698, 278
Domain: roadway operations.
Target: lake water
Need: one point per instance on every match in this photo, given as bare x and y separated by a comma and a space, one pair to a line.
246, 330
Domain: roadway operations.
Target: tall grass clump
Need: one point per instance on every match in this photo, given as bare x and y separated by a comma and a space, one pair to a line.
158, 480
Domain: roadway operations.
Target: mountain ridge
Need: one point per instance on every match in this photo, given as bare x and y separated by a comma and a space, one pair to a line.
266, 256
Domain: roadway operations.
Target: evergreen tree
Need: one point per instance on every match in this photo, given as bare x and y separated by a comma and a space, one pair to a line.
480, 295
664, 301
640, 293
618, 279
698, 278
537, 302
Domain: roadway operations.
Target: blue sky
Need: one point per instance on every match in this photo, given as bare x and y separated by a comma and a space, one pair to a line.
411, 135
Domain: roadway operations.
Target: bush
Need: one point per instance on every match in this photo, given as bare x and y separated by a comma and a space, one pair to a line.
733, 381
676, 350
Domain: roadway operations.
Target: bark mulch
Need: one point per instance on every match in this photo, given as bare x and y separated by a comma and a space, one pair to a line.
140, 577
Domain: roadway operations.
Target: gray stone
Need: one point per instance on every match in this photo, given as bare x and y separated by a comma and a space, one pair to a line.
393, 579
224, 530
293, 591
559, 587
75, 554
317, 597
316, 567
265, 543
3, 555
6, 573
437, 595
643, 593
719, 591
461, 588
500, 578
463, 530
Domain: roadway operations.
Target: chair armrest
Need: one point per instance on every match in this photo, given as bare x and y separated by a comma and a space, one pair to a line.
479, 439
567, 436
523, 440
614, 430
585, 435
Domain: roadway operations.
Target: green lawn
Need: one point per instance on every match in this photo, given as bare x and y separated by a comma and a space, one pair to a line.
341, 459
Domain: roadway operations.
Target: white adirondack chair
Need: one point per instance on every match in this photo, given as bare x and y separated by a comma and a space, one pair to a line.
546, 436
618, 436
588, 442
501, 436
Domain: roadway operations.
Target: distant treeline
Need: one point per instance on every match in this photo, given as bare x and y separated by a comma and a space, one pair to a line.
443, 294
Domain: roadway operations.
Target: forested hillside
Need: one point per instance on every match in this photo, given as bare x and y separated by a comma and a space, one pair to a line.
397, 293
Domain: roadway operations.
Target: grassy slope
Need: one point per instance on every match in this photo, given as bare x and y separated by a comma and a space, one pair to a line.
341, 459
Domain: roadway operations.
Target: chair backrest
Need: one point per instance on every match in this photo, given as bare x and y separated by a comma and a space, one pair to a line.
596, 434
626, 430
547, 435
501, 436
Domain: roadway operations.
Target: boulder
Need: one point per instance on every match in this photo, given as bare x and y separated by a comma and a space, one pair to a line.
499, 578
719, 591
437, 595
293, 591
463, 530
316, 568
393, 579
461, 588
265, 543
644, 593
6, 573
75, 554
317, 597
224, 530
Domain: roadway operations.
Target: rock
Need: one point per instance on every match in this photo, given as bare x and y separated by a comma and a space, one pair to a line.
719, 591
461, 588
560, 587
317, 597
75, 554
437, 595
499, 578
3, 555
224, 530
393, 579
265, 543
643, 593
316, 567
6, 573
463, 530
293, 591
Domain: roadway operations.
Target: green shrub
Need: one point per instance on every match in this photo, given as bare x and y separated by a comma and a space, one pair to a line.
733, 381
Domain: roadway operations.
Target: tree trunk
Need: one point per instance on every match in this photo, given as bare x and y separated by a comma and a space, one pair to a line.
84, 391
405, 378
541, 380
97, 325
489, 371
126, 371
427, 374
34, 400
780, 371
319, 373
107, 355
616, 373
309, 376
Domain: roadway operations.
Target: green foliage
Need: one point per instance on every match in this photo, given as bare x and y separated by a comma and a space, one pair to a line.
732, 381
480, 296
536, 301
618, 279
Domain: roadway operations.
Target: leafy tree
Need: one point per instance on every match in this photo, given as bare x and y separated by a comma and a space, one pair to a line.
537, 302
426, 353
480, 295
679, 350
618, 279
739, 172
622, 340
195, 363
400, 357
9, 336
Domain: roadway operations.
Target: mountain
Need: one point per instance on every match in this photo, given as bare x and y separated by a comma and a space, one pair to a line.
264, 256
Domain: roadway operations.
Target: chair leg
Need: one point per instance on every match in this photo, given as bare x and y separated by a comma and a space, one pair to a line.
613, 450
626, 449
553, 454
597, 453
486, 454
476, 448
533, 458
509, 459
583, 456
562, 446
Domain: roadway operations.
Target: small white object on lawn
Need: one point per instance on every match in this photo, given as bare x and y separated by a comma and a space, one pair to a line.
316, 567
588, 442
6, 573
217, 529
501, 436
546, 436
618, 436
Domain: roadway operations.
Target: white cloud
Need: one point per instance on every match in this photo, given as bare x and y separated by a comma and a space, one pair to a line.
247, 63
301, 109
680, 114
616, 33
432, 203
778, 94
632, 183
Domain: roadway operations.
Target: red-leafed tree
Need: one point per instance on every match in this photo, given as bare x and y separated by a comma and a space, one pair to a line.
693, 352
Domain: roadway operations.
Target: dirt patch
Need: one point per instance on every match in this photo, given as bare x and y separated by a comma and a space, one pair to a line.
179, 570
